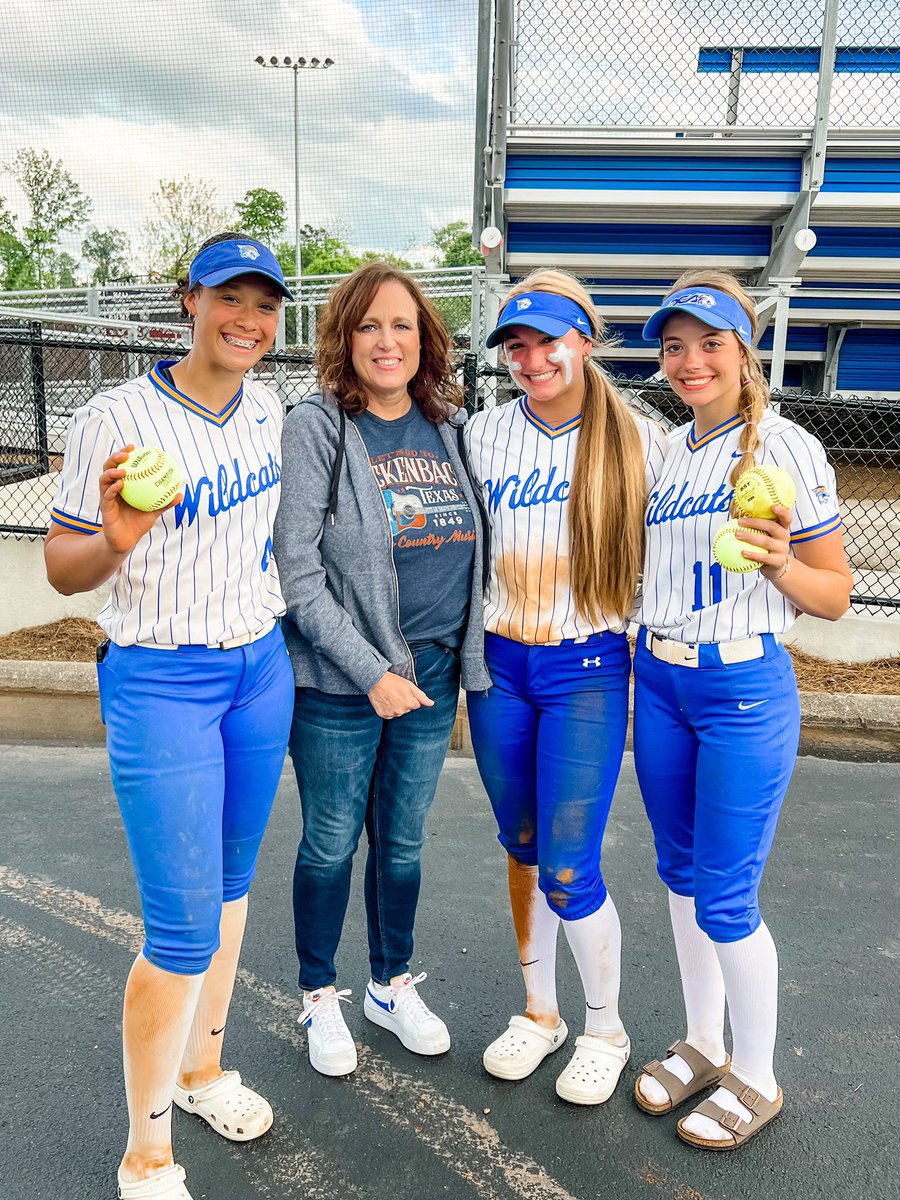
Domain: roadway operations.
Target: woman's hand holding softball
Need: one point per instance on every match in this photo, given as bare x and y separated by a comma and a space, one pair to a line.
123, 526
768, 542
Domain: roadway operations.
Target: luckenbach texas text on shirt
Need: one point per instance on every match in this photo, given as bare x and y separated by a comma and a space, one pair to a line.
431, 523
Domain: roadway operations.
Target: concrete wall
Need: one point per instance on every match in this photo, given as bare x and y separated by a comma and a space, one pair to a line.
26, 598
852, 639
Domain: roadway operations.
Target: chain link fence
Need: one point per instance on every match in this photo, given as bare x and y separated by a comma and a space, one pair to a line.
700, 64
45, 377
860, 435
157, 314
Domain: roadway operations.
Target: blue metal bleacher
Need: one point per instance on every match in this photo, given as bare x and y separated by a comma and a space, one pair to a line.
629, 209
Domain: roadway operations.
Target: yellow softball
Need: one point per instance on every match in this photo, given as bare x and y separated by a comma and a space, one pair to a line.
761, 487
152, 479
727, 550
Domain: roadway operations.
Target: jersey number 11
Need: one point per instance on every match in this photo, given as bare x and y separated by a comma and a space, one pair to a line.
715, 583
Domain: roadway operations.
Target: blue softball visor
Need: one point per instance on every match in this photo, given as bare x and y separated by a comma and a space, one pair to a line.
226, 260
708, 305
544, 311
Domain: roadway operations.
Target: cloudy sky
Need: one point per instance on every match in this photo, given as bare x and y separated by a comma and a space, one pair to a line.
128, 93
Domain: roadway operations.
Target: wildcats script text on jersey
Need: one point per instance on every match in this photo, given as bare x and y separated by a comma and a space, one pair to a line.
667, 506
523, 495
227, 491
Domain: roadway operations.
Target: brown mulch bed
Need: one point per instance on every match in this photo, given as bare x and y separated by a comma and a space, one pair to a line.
74, 639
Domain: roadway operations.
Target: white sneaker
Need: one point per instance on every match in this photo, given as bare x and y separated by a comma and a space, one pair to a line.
331, 1048
402, 1010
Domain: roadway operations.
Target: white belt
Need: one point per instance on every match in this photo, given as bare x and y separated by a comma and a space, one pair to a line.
687, 654
243, 639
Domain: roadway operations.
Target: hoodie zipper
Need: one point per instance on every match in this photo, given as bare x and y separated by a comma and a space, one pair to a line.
409, 655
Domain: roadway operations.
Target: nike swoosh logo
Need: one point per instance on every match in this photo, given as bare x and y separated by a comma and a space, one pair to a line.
154, 1116
381, 1004
743, 706
530, 963
216, 1032
261, 420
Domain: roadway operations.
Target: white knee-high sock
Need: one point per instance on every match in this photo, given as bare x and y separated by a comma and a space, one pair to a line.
704, 996
750, 969
702, 984
158, 1011
536, 927
596, 944
202, 1059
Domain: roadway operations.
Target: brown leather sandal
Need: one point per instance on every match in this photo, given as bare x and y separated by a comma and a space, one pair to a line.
763, 1111
705, 1074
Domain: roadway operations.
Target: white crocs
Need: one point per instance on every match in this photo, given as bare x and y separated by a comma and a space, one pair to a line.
593, 1070
522, 1048
167, 1184
235, 1111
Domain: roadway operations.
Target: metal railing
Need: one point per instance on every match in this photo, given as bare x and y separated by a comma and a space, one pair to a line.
149, 309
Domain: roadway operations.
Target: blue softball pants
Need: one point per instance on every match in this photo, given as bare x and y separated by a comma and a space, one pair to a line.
197, 740
714, 749
548, 740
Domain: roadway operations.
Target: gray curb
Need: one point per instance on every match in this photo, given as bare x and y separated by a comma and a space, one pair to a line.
818, 708
64, 678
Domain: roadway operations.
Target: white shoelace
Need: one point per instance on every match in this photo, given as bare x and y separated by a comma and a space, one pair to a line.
412, 1002
328, 1016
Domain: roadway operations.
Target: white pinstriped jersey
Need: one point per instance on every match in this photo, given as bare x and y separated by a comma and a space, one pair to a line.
525, 469
204, 573
686, 595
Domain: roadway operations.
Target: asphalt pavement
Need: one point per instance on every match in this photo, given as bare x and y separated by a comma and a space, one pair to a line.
405, 1127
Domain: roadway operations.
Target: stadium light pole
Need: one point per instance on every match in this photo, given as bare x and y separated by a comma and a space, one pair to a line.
296, 65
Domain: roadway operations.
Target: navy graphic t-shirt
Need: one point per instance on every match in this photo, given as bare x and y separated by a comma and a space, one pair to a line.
434, 533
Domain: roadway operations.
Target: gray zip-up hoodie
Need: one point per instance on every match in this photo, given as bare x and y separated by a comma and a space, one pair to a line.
334, 550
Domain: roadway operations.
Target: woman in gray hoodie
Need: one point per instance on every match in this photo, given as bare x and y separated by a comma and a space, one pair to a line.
380, 548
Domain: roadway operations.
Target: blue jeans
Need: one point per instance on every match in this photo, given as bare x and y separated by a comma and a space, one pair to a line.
353, 770
548, 740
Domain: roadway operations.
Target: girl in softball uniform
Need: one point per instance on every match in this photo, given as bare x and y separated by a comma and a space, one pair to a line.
195, 684
717, 715
564, 471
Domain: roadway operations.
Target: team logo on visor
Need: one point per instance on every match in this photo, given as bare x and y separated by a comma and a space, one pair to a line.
524, 302
700, 299
247, 251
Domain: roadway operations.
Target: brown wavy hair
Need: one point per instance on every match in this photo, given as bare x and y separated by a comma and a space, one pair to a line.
755, 394
609, 485
433, 387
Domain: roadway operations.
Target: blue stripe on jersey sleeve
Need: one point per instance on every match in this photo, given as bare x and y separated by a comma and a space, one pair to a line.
816, 531
76, 524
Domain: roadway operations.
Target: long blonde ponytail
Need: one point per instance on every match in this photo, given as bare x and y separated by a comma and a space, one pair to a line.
755, 393
609, 490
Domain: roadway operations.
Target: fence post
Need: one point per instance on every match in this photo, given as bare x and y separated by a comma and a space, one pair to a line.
38, 394
95, 366
280, 378
470, 383
132, 360
734, 85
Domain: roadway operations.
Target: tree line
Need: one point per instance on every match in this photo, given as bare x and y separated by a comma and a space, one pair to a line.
185, 212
